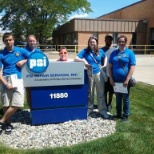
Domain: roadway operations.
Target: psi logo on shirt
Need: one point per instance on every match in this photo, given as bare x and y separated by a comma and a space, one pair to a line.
38, 62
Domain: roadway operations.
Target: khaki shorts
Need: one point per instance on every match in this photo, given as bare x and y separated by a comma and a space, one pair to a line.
13, 97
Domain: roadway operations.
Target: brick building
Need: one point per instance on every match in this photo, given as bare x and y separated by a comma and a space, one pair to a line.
136, 21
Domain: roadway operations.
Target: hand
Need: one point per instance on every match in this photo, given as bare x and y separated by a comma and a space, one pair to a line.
112, 82
125, 83
9, 86
20, 63
87, 65
103, 66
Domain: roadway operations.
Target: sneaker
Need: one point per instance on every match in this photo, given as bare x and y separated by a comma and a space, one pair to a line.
2, 127
8, 129
109, 117
124, 118
105, 116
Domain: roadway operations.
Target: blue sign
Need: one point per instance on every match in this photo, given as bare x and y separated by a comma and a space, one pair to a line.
55, 96
59, 103
38, 62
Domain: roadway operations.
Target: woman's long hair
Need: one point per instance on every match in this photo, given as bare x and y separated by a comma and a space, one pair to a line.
96, 49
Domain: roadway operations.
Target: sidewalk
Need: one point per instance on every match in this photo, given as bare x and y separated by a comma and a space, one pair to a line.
144, 71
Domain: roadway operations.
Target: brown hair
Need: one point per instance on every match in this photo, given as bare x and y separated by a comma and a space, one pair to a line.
96, 48
31, 36
122, 36
62, 47
7, 35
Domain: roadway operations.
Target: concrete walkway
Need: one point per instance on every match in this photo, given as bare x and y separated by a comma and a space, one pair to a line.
144, 71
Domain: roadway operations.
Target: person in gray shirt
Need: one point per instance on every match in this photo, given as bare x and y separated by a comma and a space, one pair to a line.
108, 87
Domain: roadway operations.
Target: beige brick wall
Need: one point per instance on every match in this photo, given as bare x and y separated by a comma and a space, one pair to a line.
83, 40
141, 11
101, 38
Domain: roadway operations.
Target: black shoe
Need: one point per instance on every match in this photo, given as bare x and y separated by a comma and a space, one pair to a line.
124, 118
8, 129
2, 127
109, 107
117, 117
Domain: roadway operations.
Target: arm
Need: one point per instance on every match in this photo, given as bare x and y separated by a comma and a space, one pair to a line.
132, 64
9, 86
110, 74
130, 73
77, 59
24, 57
21, 62
105, 62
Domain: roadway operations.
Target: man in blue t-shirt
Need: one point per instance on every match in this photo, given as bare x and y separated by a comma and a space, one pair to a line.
12, 58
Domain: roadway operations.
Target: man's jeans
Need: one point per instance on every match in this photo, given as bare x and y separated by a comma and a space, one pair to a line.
123, 100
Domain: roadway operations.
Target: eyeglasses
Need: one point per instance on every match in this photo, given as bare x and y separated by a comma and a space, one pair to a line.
63, 53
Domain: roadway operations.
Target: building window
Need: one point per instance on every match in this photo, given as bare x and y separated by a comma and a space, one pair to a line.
115, 37
67, 39
134, 39
95, 34
74, 39
152, 38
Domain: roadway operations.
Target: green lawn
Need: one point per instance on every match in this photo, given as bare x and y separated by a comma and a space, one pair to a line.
133, 137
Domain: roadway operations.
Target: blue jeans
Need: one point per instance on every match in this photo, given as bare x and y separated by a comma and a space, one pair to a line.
123, 101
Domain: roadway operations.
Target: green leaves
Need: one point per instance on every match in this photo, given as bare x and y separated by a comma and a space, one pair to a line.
38, 17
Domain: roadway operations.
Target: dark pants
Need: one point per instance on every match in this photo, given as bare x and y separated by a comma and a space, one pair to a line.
123, 103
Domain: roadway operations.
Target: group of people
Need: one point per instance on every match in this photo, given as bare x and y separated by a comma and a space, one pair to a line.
106, 59
119, 64
12, 58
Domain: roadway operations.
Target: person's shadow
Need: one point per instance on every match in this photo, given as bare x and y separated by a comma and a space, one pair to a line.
21, 116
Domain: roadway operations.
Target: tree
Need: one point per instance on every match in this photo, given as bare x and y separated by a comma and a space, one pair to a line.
38, 17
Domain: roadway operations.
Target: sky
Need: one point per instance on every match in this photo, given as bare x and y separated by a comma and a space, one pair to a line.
101, 7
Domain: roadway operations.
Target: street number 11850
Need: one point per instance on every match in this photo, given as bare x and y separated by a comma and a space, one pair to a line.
58, 95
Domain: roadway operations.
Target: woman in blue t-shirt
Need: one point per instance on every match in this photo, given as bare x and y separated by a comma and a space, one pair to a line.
121, 67
92, 57
31, 47
31, 44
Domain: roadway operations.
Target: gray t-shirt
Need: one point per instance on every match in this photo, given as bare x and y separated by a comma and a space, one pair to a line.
108, 52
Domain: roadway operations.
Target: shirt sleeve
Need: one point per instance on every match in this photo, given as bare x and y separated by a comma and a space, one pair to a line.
111, 57
103, 53
0, 60
132, 61
81, 54
25, 53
